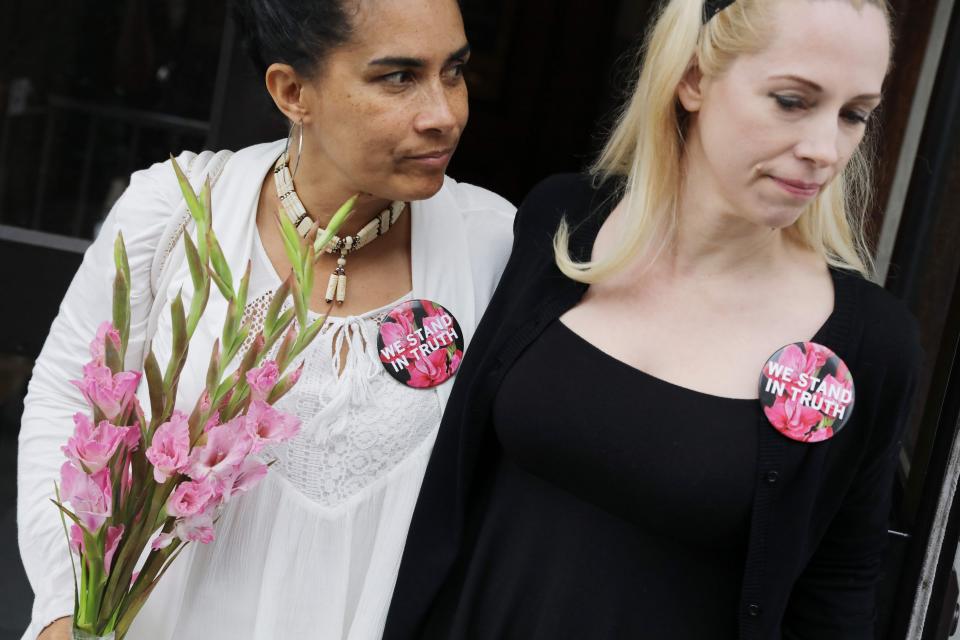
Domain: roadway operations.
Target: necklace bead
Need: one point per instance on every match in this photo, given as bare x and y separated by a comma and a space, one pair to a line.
291, 205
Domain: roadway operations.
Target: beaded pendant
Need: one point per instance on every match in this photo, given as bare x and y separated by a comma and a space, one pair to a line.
291, 205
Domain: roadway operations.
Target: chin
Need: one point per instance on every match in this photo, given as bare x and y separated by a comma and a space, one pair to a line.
417, 187
777, 216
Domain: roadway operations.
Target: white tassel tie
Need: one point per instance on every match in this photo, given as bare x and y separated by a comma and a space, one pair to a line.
352, 388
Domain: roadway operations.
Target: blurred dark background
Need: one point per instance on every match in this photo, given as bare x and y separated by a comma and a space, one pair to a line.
90, 92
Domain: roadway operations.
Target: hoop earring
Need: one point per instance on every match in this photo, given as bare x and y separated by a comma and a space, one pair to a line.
286, 149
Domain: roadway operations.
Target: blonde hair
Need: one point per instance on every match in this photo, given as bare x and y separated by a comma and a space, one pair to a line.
646, 145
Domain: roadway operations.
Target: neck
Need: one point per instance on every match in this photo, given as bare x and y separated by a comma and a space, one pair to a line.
712, 240
322, 190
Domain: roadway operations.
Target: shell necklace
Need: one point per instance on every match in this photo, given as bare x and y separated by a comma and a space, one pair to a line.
290, 204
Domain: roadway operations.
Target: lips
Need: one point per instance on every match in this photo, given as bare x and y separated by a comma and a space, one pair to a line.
432, 155
798, 188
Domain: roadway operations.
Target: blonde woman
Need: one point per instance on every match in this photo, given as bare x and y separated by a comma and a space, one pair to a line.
608, 465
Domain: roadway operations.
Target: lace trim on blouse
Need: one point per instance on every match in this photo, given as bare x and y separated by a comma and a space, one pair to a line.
358, 424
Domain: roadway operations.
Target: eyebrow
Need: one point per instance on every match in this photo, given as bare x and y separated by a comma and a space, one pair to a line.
418, 63
815, 87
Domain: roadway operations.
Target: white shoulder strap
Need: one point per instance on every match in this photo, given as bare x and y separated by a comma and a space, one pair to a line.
170, 251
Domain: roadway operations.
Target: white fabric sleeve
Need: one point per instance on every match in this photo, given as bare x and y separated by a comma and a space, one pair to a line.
141, 213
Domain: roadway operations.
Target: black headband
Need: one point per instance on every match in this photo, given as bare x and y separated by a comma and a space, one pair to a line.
713, 7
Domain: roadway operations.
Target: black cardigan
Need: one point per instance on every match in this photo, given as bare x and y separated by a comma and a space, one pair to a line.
819, 522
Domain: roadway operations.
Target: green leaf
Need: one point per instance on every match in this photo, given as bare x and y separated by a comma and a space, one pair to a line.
213, 369
244, 286
285, 384
308, 273
225, 289
250, 358
205, 201
121, 293
283, 353
67, 512
292, 244
151, 369
276, 303
197, 306
308, 335
299, 304
230, 325
120, 256
197, 272
203, 250
193, 204
58, 501
111, 356
341, 216
219, 262
178, 352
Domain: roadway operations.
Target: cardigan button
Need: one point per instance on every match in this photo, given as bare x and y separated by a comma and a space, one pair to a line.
753, 610
771, 477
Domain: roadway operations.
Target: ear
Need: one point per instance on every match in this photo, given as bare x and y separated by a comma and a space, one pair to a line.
286, 87
689, 91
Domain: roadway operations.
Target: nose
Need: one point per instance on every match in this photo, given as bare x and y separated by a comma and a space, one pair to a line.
820, 143
439, 111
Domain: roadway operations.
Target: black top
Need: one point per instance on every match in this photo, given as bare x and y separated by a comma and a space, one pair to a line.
621, 504
818, 520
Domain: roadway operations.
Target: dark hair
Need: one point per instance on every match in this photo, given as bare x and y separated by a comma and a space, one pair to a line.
296, 32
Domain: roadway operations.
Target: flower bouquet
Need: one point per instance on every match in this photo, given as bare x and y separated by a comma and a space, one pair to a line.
138, 489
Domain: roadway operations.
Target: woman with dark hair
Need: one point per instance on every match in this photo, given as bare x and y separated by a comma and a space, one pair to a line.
376, 98
682, 417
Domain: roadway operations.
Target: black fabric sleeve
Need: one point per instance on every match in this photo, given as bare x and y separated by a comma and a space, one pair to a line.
835, 596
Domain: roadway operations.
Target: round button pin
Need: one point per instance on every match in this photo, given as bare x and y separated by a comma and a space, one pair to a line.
807, 392
420, 344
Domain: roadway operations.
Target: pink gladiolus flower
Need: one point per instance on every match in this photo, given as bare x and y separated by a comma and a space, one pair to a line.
212, 422
126, 479
205, 401
429, 370
791, 418
799, 363
198, 528
110, 548
263, 379
267, 425
434, 318
817, 355
455, 361
831, 383
245, 477
92, 447
162, 541
108, 392
90, 495
190, 498
113, 540
169, 451
295, 374
131, 438
105, 332
226, 447
396, 333
76, 539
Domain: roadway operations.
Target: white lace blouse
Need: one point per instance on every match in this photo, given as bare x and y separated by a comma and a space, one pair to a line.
314, 550
311, 552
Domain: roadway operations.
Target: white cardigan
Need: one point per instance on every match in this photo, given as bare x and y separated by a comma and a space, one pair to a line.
461, 239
